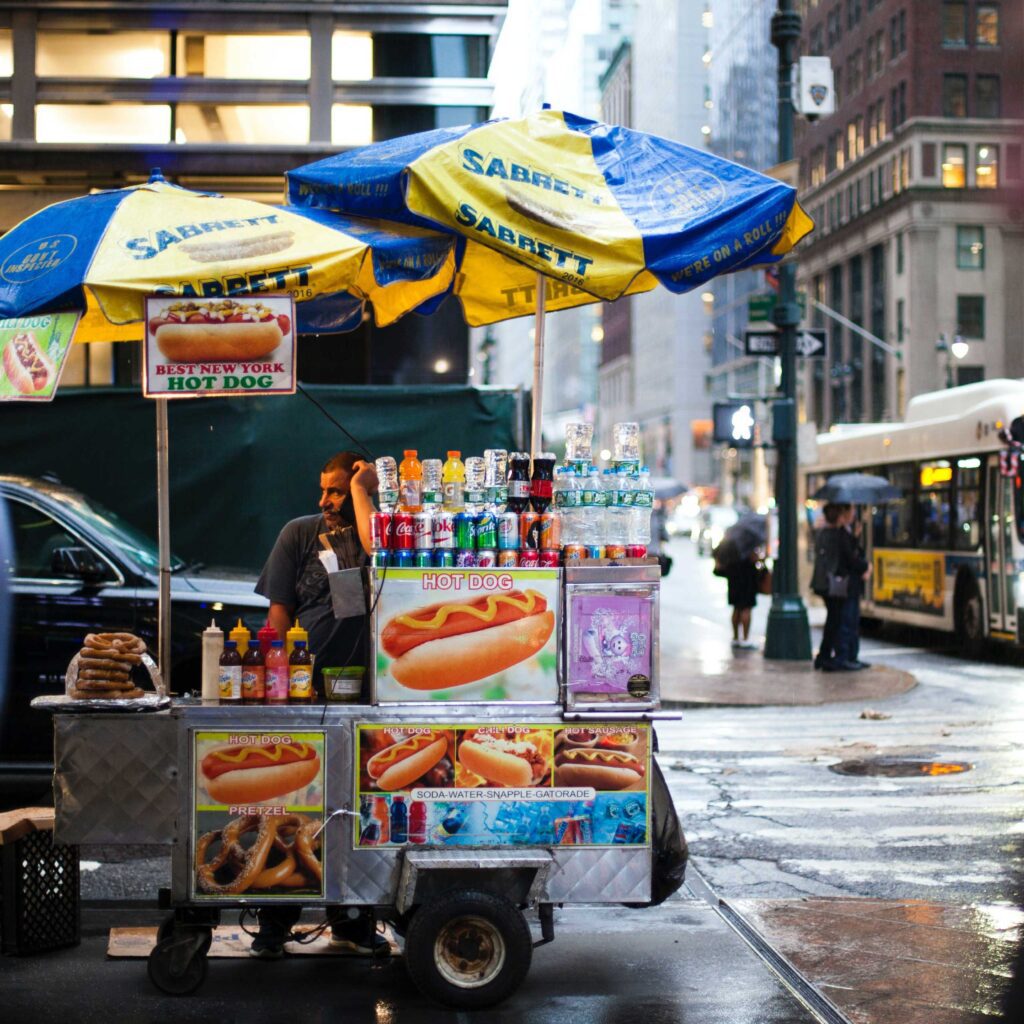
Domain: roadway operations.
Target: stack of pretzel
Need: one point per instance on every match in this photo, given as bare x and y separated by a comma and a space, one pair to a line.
105, 665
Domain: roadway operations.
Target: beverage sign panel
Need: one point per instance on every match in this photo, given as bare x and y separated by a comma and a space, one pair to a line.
467, 634
259, 812
490, 784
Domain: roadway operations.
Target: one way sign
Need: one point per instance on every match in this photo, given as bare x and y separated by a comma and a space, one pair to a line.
811, 344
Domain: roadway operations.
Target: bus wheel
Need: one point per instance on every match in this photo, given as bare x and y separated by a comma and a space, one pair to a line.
970, 627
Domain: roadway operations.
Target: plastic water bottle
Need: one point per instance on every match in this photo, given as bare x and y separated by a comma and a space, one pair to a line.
432, 486
643, 504
592, 509
567, 503
619, 487
387, 483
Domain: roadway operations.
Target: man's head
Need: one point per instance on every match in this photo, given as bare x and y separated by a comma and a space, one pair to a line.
335, 480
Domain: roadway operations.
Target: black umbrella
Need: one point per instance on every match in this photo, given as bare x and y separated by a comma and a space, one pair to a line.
747, 534
856, 489
666, 488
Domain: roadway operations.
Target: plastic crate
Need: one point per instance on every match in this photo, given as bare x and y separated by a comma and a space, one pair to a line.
41, 909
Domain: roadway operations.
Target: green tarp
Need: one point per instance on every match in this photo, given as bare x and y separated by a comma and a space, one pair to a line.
239, 467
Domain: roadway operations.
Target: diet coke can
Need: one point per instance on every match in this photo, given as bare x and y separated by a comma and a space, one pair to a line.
549, 558
423, 531
444, 536
402, 531
380, 530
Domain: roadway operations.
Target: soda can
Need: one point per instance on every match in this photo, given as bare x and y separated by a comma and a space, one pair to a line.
573, 554
624, 833
507, 559
423, 531
549, 558
444, 558
485, 530
380, 558
423, 558
402, 558
380, 530
585, 825
486, 558
615, 551
639, 832
444, 530
561, 828
462, 530
508, 531
402, 531
548, 530
594, 550
529, 558
465, 558
636, 550
529, 530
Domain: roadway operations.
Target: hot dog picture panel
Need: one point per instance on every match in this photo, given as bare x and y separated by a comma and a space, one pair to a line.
259, 813
467, 634
219, 346
32, 354
502, 784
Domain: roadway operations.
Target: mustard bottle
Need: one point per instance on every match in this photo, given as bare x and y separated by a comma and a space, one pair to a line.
241, 636
293, 634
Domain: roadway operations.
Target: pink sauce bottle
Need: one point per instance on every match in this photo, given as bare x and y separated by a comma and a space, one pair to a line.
277, 673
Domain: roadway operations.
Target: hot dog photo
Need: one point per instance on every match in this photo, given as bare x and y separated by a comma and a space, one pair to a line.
506, 756
253, 769
493, 643
32, 354
398, 759
608, 760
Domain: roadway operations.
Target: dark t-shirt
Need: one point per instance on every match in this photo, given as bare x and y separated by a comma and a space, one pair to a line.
295, 576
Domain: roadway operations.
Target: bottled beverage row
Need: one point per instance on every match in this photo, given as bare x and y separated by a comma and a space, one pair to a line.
267, 670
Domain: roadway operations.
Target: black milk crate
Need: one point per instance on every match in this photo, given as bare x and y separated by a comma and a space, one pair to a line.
41, 909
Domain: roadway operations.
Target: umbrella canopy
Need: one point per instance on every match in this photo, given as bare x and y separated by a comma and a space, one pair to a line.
104, 253
665, 487
601, 210
747, 534
856, 489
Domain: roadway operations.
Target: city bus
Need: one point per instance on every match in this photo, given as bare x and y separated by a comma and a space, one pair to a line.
948, 554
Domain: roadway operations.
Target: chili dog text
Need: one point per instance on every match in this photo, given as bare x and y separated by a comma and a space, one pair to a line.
220, 330
404, 762
602, 769
236, 774
458, 642
26, 365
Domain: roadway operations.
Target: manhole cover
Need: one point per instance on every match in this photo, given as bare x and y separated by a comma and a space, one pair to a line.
908, 767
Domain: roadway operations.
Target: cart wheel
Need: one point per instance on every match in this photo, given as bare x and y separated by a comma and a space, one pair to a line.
468, 949
177, 964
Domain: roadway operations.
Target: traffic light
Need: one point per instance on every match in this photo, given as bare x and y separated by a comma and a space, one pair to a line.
734, 424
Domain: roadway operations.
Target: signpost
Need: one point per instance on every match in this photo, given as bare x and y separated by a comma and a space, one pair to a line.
761, 343
812, 343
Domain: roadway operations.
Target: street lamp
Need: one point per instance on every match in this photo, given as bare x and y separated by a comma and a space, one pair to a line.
955, 350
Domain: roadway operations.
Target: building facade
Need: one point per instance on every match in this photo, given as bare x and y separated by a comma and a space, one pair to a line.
915, 185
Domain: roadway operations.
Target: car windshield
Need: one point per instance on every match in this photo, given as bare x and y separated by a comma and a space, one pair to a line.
133, 543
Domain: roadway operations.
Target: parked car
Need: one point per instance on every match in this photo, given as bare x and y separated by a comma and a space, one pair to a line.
714, 521
77, 568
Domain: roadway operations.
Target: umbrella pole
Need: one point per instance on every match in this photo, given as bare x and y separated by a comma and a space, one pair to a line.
536, 431
164, 541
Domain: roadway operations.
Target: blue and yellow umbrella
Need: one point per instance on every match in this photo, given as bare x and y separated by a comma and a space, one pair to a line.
601, 211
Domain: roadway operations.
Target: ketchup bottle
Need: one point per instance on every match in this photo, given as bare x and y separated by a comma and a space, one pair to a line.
265, 636
542, 484
519, 482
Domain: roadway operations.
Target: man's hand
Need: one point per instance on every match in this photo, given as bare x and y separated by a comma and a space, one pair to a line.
364, 476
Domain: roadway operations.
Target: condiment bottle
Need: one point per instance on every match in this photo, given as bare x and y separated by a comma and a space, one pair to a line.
241, 636
253, 676
213, 647
294, 634
229, 675
300, 674
266, 635
276, 675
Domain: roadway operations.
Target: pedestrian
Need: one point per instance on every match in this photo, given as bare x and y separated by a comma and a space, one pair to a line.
295, 582
742, 576
849, 623
839, 566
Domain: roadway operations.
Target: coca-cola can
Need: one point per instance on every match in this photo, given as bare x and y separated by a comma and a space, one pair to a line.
636, 550
508, 531
381, 528
549, 558
529, 558
402, 531
423, 531
444, 536
508, 558
486, 558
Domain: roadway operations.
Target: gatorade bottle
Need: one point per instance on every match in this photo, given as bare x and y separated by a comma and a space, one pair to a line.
276, 673
380, 815
241, 636
418, 822
410, 483
453, 482
229, 676
300, 675
399, 820
253, 676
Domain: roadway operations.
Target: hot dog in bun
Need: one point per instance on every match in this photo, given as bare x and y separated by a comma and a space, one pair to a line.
248, 773
505, 762
404, 762
26, 365
458, 642
218, 330
601, 769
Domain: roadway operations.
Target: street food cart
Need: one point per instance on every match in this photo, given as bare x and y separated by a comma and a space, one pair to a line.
449, 809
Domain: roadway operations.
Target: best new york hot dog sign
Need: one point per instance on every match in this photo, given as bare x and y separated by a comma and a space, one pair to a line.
467, 634
219, 346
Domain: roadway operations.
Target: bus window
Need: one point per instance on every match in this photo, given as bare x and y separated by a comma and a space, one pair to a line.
892, 521
967, 528
1018, 492
935, 481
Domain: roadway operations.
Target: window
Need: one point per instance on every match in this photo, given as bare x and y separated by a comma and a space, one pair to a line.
854, 70
954, 23
875, 59
351, 125
900, 320
108, 122
351, 56
927, 159
898, 104
244, 124
970, 316
1013, 152
407, 55
905, 168
893, 519
986, 96
970, 247
954, 165
969, 374
898, 35
244, 55
986, 166
899, 253
954, 95
987, 28
933, 504
6, 53
36, 538
817, 40
103, 55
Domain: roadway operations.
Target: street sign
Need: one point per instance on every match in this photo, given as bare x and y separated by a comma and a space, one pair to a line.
811, 343
761, 343
761, 304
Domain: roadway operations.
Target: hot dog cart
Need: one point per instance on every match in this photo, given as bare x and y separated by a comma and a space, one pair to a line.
449, 808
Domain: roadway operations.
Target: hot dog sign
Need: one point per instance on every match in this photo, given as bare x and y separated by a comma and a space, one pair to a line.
219, 346
467, 634
32, 354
